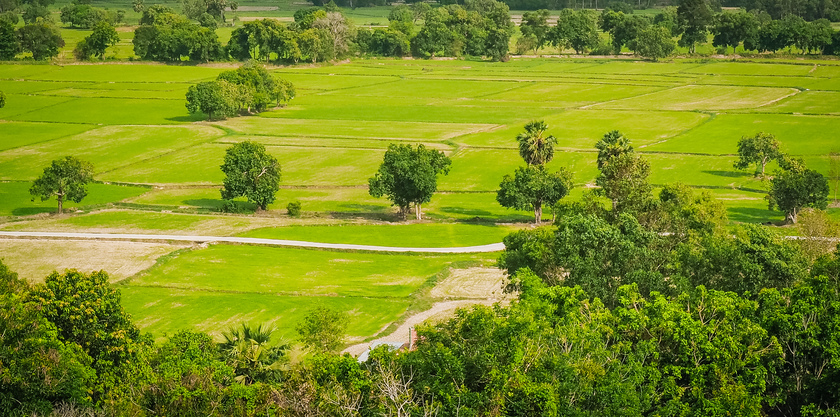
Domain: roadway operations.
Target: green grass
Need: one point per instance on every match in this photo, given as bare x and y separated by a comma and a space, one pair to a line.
107, 148
410, 235
288, 271
702, 97
17, 134
15, 199
799, 135
164, 311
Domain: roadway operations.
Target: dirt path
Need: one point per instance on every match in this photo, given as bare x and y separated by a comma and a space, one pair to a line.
493, 247
401, 333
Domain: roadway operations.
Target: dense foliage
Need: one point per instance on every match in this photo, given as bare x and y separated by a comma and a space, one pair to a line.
246, 90
408, 176
250, 172
65, 179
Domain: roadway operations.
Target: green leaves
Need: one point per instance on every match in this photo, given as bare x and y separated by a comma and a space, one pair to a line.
250, 172
532, 187
797, 187
408, 176
66, 179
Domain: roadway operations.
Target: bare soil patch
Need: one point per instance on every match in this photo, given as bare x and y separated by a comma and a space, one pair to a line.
33, 260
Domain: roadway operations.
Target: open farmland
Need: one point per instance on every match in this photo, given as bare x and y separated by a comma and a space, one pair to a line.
159, 165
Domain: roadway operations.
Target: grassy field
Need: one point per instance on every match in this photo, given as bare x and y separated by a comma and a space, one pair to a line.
685, 117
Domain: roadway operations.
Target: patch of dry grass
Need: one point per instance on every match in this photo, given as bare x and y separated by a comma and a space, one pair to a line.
33, 260
478, 282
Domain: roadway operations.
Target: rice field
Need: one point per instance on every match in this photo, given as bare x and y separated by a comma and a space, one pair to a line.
158, 166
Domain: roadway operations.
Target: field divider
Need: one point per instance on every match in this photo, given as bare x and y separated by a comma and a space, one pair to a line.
493, 247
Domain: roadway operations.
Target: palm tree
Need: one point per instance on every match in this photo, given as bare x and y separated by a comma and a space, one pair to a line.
248, 351
613, 144
534, 147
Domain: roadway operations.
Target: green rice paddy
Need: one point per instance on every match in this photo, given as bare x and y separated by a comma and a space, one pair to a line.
130, 121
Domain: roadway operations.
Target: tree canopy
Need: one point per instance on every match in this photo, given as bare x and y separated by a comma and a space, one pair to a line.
250, 172
408, 175
795, 187
65, 179
532, 188
759, 150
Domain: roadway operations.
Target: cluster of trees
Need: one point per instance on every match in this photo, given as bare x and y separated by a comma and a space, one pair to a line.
165, 35
246, 90
40, 38
80, 14
793, 186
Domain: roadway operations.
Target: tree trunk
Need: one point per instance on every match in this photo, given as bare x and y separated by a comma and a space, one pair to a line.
60, 199
417, 210
763, 165
791, 217
538, 213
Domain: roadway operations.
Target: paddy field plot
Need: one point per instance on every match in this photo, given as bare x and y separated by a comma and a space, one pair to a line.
685, 117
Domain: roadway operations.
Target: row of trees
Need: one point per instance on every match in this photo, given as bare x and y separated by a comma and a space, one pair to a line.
42, 39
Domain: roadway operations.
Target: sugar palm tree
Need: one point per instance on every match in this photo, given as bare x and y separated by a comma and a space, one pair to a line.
534, 146
613, 144
248, 351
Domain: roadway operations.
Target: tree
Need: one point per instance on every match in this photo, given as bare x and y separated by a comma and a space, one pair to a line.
408, 176
251, 172
2, 99
576, 29
43, 40
654, 42
623, 179
323, 329
533, 187
611, 145
248, 351
66, 179
9, 43
104, 36
730, 29
796, 187
535, 24
87, 311
694, 18
38, 368
758, 149
340, 30
534, 147
216, 99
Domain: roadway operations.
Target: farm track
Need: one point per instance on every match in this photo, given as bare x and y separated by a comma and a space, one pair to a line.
493, 247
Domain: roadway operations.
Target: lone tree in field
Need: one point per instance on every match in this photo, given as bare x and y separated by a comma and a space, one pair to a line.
796, 188
534, 146
323, 329
408, 176
533, 187
65, 179
759, 150
252, 173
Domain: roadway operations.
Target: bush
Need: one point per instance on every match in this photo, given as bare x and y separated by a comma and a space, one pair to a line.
294, 208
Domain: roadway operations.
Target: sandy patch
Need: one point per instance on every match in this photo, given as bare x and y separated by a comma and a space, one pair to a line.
35, 259
477, 283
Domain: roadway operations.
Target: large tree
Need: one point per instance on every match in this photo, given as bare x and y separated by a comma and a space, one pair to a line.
758, 149
9, 43
796, 187
408, 176
694, 17
216, 99
42, 39
535, 147
65, 179
323, 329
532, 187
104, 36
252, 173
653, 42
